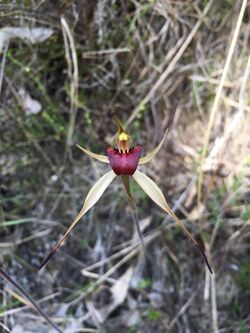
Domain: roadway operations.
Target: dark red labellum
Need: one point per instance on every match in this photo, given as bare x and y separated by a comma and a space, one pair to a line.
124, 163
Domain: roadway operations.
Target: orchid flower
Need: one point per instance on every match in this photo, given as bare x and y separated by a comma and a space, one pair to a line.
124, 161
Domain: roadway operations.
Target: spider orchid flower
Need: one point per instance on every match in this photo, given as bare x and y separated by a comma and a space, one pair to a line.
124, 161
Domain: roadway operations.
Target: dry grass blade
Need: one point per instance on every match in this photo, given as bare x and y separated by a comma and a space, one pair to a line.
29, 298
119, 292
5, 327
171, 65
214, 305
217, 99
71, 56
137, 225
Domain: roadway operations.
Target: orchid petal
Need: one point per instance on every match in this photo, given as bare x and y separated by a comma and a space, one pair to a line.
149, 156
98, 157
154, 192
92, 197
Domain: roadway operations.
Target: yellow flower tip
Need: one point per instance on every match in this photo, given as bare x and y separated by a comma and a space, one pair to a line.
123, 141
123, 137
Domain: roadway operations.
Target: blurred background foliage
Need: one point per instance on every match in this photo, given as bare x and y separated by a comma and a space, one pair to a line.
50, 102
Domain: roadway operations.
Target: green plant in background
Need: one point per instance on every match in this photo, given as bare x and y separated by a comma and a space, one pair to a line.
246, 213
153, 315
242, 277
237, 182
124, 162
144, 283
242, 327
52, 119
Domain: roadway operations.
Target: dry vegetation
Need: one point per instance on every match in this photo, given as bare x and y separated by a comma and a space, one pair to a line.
140, 60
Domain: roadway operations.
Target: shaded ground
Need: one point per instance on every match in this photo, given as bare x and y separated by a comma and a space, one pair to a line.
124, 51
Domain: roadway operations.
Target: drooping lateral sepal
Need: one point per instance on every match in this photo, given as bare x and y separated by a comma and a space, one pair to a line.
124, 163
92, 197
155, 194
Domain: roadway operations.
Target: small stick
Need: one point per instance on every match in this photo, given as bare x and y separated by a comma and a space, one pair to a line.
29, 298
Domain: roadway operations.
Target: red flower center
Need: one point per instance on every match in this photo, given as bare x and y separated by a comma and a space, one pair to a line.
124, 163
